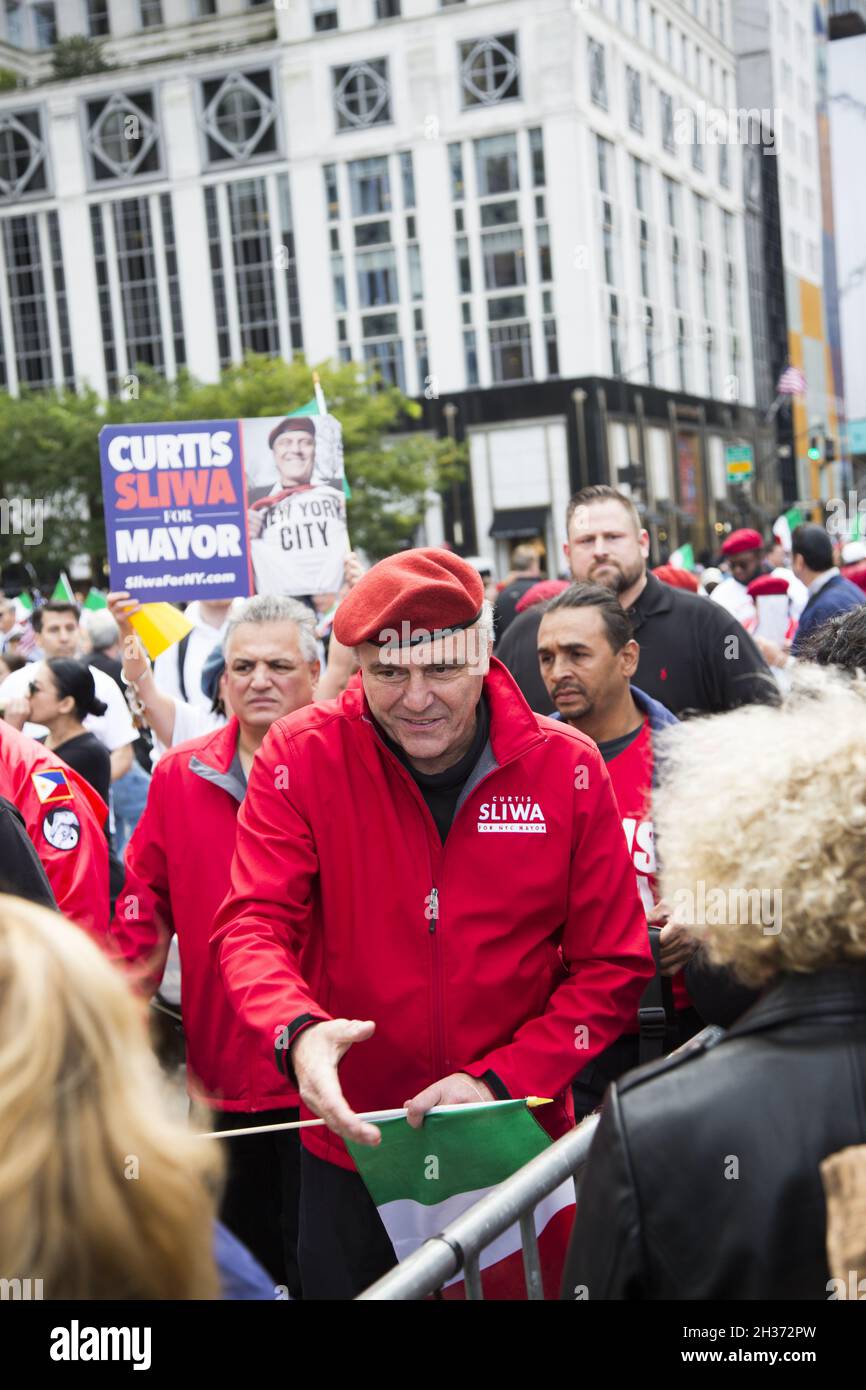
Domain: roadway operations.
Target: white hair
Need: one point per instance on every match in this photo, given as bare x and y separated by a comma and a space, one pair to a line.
275, 608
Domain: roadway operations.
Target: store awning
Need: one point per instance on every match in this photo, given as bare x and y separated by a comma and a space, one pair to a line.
518, 523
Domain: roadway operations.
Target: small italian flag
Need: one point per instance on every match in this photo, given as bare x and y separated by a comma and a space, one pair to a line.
63, 590
421, 1179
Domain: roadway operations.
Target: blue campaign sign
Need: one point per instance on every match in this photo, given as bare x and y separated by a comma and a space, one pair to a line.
175, 499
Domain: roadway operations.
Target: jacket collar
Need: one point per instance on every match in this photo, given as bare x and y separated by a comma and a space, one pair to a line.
658, 714
836, 992
655, 597
212, 759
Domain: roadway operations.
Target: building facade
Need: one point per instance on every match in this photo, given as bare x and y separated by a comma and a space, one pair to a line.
517, 212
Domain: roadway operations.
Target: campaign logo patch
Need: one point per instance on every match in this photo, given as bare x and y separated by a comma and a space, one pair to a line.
511, 815
62, 829
51, 785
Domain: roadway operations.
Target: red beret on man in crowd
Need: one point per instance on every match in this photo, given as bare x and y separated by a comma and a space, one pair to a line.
767, 584
740, 541
298, 423
677, 577
540, 593
415, 594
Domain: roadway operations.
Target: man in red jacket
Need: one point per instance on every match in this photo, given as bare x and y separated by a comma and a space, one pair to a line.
427, 868
177, 874
64, 817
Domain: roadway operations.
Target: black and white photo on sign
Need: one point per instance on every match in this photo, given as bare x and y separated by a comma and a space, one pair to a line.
296, 504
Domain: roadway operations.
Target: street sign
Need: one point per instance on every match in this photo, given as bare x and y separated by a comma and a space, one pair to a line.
740, 462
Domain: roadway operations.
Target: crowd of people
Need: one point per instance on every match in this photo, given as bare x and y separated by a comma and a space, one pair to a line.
277, 834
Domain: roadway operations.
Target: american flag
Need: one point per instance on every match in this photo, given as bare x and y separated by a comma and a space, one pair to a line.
791, 383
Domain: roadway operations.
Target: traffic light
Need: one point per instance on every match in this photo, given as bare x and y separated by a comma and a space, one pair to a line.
815, 448
829, 449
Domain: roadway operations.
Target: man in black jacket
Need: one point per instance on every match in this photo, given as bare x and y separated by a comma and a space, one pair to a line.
21, 871
694, 657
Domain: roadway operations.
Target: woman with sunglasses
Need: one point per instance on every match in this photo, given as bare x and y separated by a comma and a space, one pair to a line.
62, 694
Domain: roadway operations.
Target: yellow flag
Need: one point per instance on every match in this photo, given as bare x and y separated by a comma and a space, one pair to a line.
160, 625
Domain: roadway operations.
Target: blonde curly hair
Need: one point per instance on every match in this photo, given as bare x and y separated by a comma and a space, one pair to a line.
772, 800
102, 1194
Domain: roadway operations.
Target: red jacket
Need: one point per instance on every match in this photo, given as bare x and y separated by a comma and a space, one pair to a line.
531, 959
65, 819
177, 874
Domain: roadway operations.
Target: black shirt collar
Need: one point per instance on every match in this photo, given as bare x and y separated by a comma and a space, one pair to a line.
655, 597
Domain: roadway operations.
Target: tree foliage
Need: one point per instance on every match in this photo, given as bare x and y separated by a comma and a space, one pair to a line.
51, 454
77, 56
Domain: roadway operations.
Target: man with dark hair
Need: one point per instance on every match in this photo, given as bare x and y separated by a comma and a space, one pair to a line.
693, 655
57, 626
525, 571
829, 591
588, 656
841, 641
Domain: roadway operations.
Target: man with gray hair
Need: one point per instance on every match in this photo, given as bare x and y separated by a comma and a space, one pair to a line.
177, 873
432, 901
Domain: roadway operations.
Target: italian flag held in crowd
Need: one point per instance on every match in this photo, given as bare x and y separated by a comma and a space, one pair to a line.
422, 1179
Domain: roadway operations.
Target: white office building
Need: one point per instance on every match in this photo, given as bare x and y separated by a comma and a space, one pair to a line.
503, 205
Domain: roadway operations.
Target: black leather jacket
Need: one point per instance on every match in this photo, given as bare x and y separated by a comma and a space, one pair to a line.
703, 1178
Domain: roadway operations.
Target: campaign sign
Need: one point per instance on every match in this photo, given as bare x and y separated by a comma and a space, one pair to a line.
175, 510
221, 508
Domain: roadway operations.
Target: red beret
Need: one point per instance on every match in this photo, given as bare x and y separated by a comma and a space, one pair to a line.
416, 592
301, 423
738, 541
677, 577
540, 593
767, 584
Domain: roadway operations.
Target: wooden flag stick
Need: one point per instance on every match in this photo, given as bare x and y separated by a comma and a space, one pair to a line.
371, 1115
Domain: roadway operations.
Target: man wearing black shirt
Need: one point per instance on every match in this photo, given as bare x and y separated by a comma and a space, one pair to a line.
694, 657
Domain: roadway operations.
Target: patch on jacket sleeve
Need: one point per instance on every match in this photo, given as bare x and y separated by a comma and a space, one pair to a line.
62, 829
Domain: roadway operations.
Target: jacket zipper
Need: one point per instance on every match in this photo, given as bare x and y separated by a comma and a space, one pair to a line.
439, 1058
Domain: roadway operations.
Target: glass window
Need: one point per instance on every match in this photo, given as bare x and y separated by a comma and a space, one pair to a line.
136, 271
372, 233
511, 352
377, 278
27, 301
332, 196
122, 136
536, 151
387, 9
597, 74
724, 167
455, 163
362, 95
464, 266
499, 214
634, 99
511, 306
369, 186
489, 70
217, 277
338, 280
151, 13
407, 175
550, 347
202, 9
416, 282
504, 264
98, 20
639, 170
496, 165
545, 267
45, 23
387, 359
22, 154
253, 257
604, 162
325, 15
667, 121
239, 117
470, 357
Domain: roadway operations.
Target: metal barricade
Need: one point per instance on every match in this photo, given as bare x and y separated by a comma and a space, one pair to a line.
460, 1245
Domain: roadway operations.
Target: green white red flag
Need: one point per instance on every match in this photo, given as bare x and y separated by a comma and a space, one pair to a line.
422, 1179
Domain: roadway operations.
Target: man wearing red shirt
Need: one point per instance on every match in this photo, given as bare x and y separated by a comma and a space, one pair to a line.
432, 902
587, 657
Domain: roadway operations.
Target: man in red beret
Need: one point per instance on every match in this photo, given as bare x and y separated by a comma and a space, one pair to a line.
297, 525
743, 551
432, 900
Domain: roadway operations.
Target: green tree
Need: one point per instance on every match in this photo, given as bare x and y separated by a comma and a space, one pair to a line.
77, 56
51, 449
